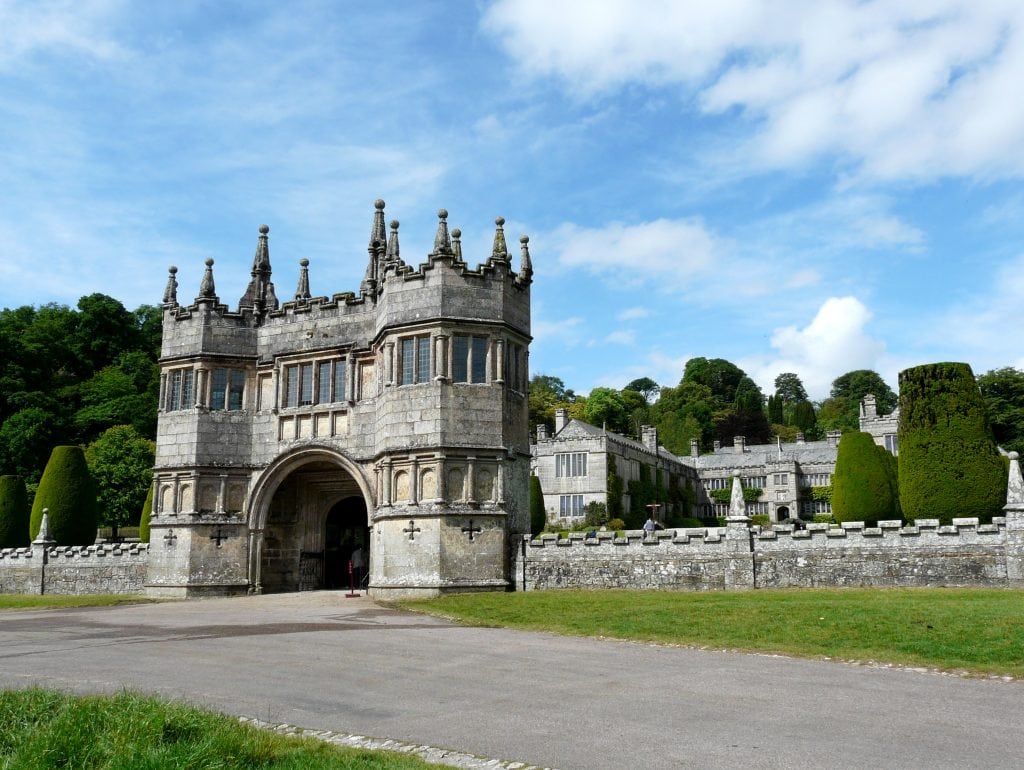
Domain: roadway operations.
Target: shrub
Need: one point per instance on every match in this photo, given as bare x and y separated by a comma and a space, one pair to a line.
688, 522
14, 512
862, 487
67, 490
761, 519
615, 524
538, 516
595, 514
948, 463
147, 511
822, 518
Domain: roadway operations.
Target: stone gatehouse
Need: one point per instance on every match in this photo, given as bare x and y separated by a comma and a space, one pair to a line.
389, 426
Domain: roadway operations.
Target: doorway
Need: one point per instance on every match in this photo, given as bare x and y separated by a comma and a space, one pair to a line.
346, 538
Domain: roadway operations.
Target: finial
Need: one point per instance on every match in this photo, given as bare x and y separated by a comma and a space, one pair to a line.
302, 290
171, 292
256, 293
392, 253
737, 505
525, 263
1014, 486
377, 235
206, 287
457, 243
264, 229
43, 538
442, 243
499, 250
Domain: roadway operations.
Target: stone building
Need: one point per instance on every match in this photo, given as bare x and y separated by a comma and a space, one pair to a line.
882, 427
572, 465
389, 424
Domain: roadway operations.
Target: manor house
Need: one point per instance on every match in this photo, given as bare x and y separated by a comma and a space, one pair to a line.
386, 428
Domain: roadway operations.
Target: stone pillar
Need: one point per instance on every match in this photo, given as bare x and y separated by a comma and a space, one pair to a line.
163, 393
471, 480
499, 360
441, 357
222, 493
389, 364
350, 376
739, 566
414, 482
40, 551
1014, 510
387, 483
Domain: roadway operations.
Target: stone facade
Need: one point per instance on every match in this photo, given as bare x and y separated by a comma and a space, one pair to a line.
882, 427
392, 423
45, 568
572, 465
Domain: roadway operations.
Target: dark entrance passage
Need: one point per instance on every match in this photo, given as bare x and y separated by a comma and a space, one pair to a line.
346, 538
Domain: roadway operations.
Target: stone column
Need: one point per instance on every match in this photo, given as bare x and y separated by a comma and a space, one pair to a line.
499, 361
442, 480
387, 483
163, 393
350, 375
1014, 511
739, 553
40, 550
414, 483
222, 493
500, 481
441, 357
389, 364
471, 480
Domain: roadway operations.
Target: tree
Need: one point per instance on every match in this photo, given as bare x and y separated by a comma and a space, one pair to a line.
721, 377
682, 414
638, 412
538, 516
862, 487
14, 512
746, 418
547, 394
948, 463
605, 407
1003, 391
776, 415
803, 417
790, 388
67, 490
121, 463
843, 406
646, 387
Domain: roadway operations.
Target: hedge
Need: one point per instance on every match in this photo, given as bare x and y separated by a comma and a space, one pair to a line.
67, 490
538, 516
14, 512
862, 487
948, 462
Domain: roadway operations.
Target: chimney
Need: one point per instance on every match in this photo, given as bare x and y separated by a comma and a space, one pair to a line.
694, 448
561, 420
649, 437
716, 446
868, 407
542, 432
833, 437
799, 437
739, 444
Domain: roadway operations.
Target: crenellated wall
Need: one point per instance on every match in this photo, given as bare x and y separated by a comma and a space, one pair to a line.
74, 570
926, 554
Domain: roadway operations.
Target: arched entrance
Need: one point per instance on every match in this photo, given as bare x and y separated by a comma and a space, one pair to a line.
346, 539
781, 513
309, 516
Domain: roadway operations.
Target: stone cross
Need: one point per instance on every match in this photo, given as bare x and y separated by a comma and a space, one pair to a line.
170, 538
219, 537
412, 529
471, 529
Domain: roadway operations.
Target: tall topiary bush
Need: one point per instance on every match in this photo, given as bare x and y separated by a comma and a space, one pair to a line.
892, 471
862, 486
538, 516
948, 462
147, 511
67, 490
14, 512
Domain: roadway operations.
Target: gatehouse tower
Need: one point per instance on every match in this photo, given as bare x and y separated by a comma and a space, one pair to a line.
387, 427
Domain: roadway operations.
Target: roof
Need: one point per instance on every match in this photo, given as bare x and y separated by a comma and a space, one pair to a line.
762, 454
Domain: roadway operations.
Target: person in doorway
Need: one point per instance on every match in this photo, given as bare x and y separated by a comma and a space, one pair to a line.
358, 561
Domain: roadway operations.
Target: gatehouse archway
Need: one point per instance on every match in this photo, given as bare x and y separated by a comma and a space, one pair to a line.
309, 515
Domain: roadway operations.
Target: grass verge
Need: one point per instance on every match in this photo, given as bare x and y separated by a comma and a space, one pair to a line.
42, 729
23, 602
980, 631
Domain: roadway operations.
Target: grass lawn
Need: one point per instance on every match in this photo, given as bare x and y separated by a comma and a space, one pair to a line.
42, 729
22, 602
975, 630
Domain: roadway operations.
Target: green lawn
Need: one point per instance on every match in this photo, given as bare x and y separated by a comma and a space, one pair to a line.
975, 630
22, 602
42, 729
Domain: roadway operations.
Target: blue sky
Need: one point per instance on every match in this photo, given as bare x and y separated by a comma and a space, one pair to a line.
809, 187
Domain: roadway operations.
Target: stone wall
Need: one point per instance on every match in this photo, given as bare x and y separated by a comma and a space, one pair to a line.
926, 554
74, 570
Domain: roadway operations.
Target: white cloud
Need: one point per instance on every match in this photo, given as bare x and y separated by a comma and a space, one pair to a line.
77, 26
622, 337
633, 313
834, 342
904, 90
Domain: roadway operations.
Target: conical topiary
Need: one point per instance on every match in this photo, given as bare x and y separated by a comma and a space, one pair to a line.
948, 464
862, 487
14, 512
147, 510
67, 490
538, 517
